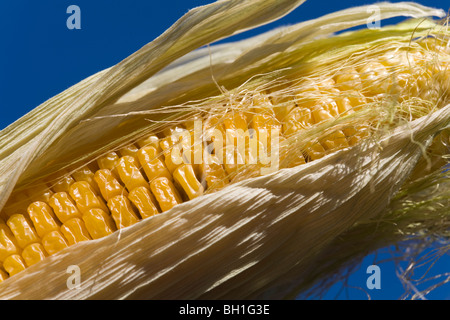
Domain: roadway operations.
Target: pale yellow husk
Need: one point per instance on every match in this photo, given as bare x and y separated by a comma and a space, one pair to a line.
253, 239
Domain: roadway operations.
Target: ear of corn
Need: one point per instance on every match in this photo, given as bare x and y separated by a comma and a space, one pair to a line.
318, 118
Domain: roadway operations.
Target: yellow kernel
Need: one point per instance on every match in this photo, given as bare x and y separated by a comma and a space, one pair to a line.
308, 88
63, 184
150, 141
214, 124
330, 105
184, 175
169, 161
327, 84
130, 174
98, 223
292, 159
232, 159
260, 105
236, 126
175, 132
402, 82
122, 212
63, 206
344, 105
235, 121
392, 59
315, 151
214, 174
108, 184
144, 201
165, 193
86, 174
374, 78
74, 230
298, 119
356, 133
8, 243
23, 231
129, 150
335, 141
190, 124
348, 79
357, 99
265, 121
265, 124
152, 163
214, 121
177, 149
283, 104
54, 242
85, 197
3, 274
109, 161
42, 217
320, 114
173, 136
33, 253
14, 264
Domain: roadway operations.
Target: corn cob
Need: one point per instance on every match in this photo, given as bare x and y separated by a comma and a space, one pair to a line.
317, 114
144, 178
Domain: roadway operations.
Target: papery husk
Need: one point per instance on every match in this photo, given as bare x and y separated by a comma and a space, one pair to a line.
254, 239
415, 221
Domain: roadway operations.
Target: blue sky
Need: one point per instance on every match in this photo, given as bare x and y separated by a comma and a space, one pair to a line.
39, 53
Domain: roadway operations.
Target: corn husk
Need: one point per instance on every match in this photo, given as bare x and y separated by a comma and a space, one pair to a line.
259, 238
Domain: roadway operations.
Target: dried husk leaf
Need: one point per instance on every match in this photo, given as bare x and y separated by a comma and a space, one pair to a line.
254, 239
415, 220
